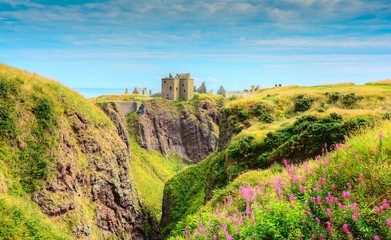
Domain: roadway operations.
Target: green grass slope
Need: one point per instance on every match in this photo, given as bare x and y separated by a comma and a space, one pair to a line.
285, 122
52, 142
151, 170
343, 194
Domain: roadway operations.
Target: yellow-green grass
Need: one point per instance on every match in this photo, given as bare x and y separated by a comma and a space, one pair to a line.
119, 97
64, 98
150, 171
375, 102
22, 219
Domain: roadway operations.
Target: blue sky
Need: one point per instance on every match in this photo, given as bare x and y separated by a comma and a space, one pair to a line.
235, 43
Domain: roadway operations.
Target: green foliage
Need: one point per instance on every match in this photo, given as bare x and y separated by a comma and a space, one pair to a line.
350, 100
302, 103
243, 114
9, 88
17, 223
342, 195
7, 121
44, 112
34, 166
333, 97
306, 137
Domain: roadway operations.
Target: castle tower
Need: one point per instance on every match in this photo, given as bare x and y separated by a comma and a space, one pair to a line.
178, 87
186, 86
170, 88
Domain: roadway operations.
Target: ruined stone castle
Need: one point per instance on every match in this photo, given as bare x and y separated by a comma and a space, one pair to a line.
179, 87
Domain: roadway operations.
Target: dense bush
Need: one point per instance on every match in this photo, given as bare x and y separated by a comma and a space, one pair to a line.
302, 103
333, 97
350, 100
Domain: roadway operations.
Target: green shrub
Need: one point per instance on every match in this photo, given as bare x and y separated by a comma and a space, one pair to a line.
333, 97
350, 100
302, 103
243, 114
9, 88
7, 121
44, 112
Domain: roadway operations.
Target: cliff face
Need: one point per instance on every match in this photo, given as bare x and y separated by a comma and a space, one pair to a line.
103, 180
188, 129
63, 153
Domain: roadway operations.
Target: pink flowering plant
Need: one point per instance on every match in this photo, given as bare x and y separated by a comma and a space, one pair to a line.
331, 197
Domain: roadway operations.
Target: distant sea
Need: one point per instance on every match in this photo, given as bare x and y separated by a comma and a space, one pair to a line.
94, 92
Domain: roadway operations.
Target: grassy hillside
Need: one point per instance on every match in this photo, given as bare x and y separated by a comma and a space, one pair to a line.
59, 155
342, 194
284, 122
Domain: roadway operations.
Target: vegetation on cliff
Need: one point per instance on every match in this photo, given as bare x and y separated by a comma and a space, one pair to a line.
63, 167
343, 194
284, 122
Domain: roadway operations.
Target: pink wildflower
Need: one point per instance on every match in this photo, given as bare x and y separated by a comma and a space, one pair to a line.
317, 220
249, 193
355, 211
336, 146
326, 161
295, 179
323, 180
380, 135
329, 228
292, 197
313, 236
319, 200
321, 236
349, 185
345, 228
377, 210
385, 204
329, 213
248, 209
301, 188
354, 152
345, 195
388, 223
333, 187
376, 238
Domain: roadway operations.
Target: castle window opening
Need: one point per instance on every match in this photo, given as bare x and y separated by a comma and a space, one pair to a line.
176, 88
170, 87
184, 90
164, 81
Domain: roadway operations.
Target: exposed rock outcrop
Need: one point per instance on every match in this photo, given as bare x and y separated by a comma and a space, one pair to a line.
191, 131
102, 179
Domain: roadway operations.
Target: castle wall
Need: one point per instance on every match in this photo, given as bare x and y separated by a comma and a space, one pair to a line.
187, 88
129, 106
170, 88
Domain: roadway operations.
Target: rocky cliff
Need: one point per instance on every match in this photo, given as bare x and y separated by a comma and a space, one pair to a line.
63, 153
189, 129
